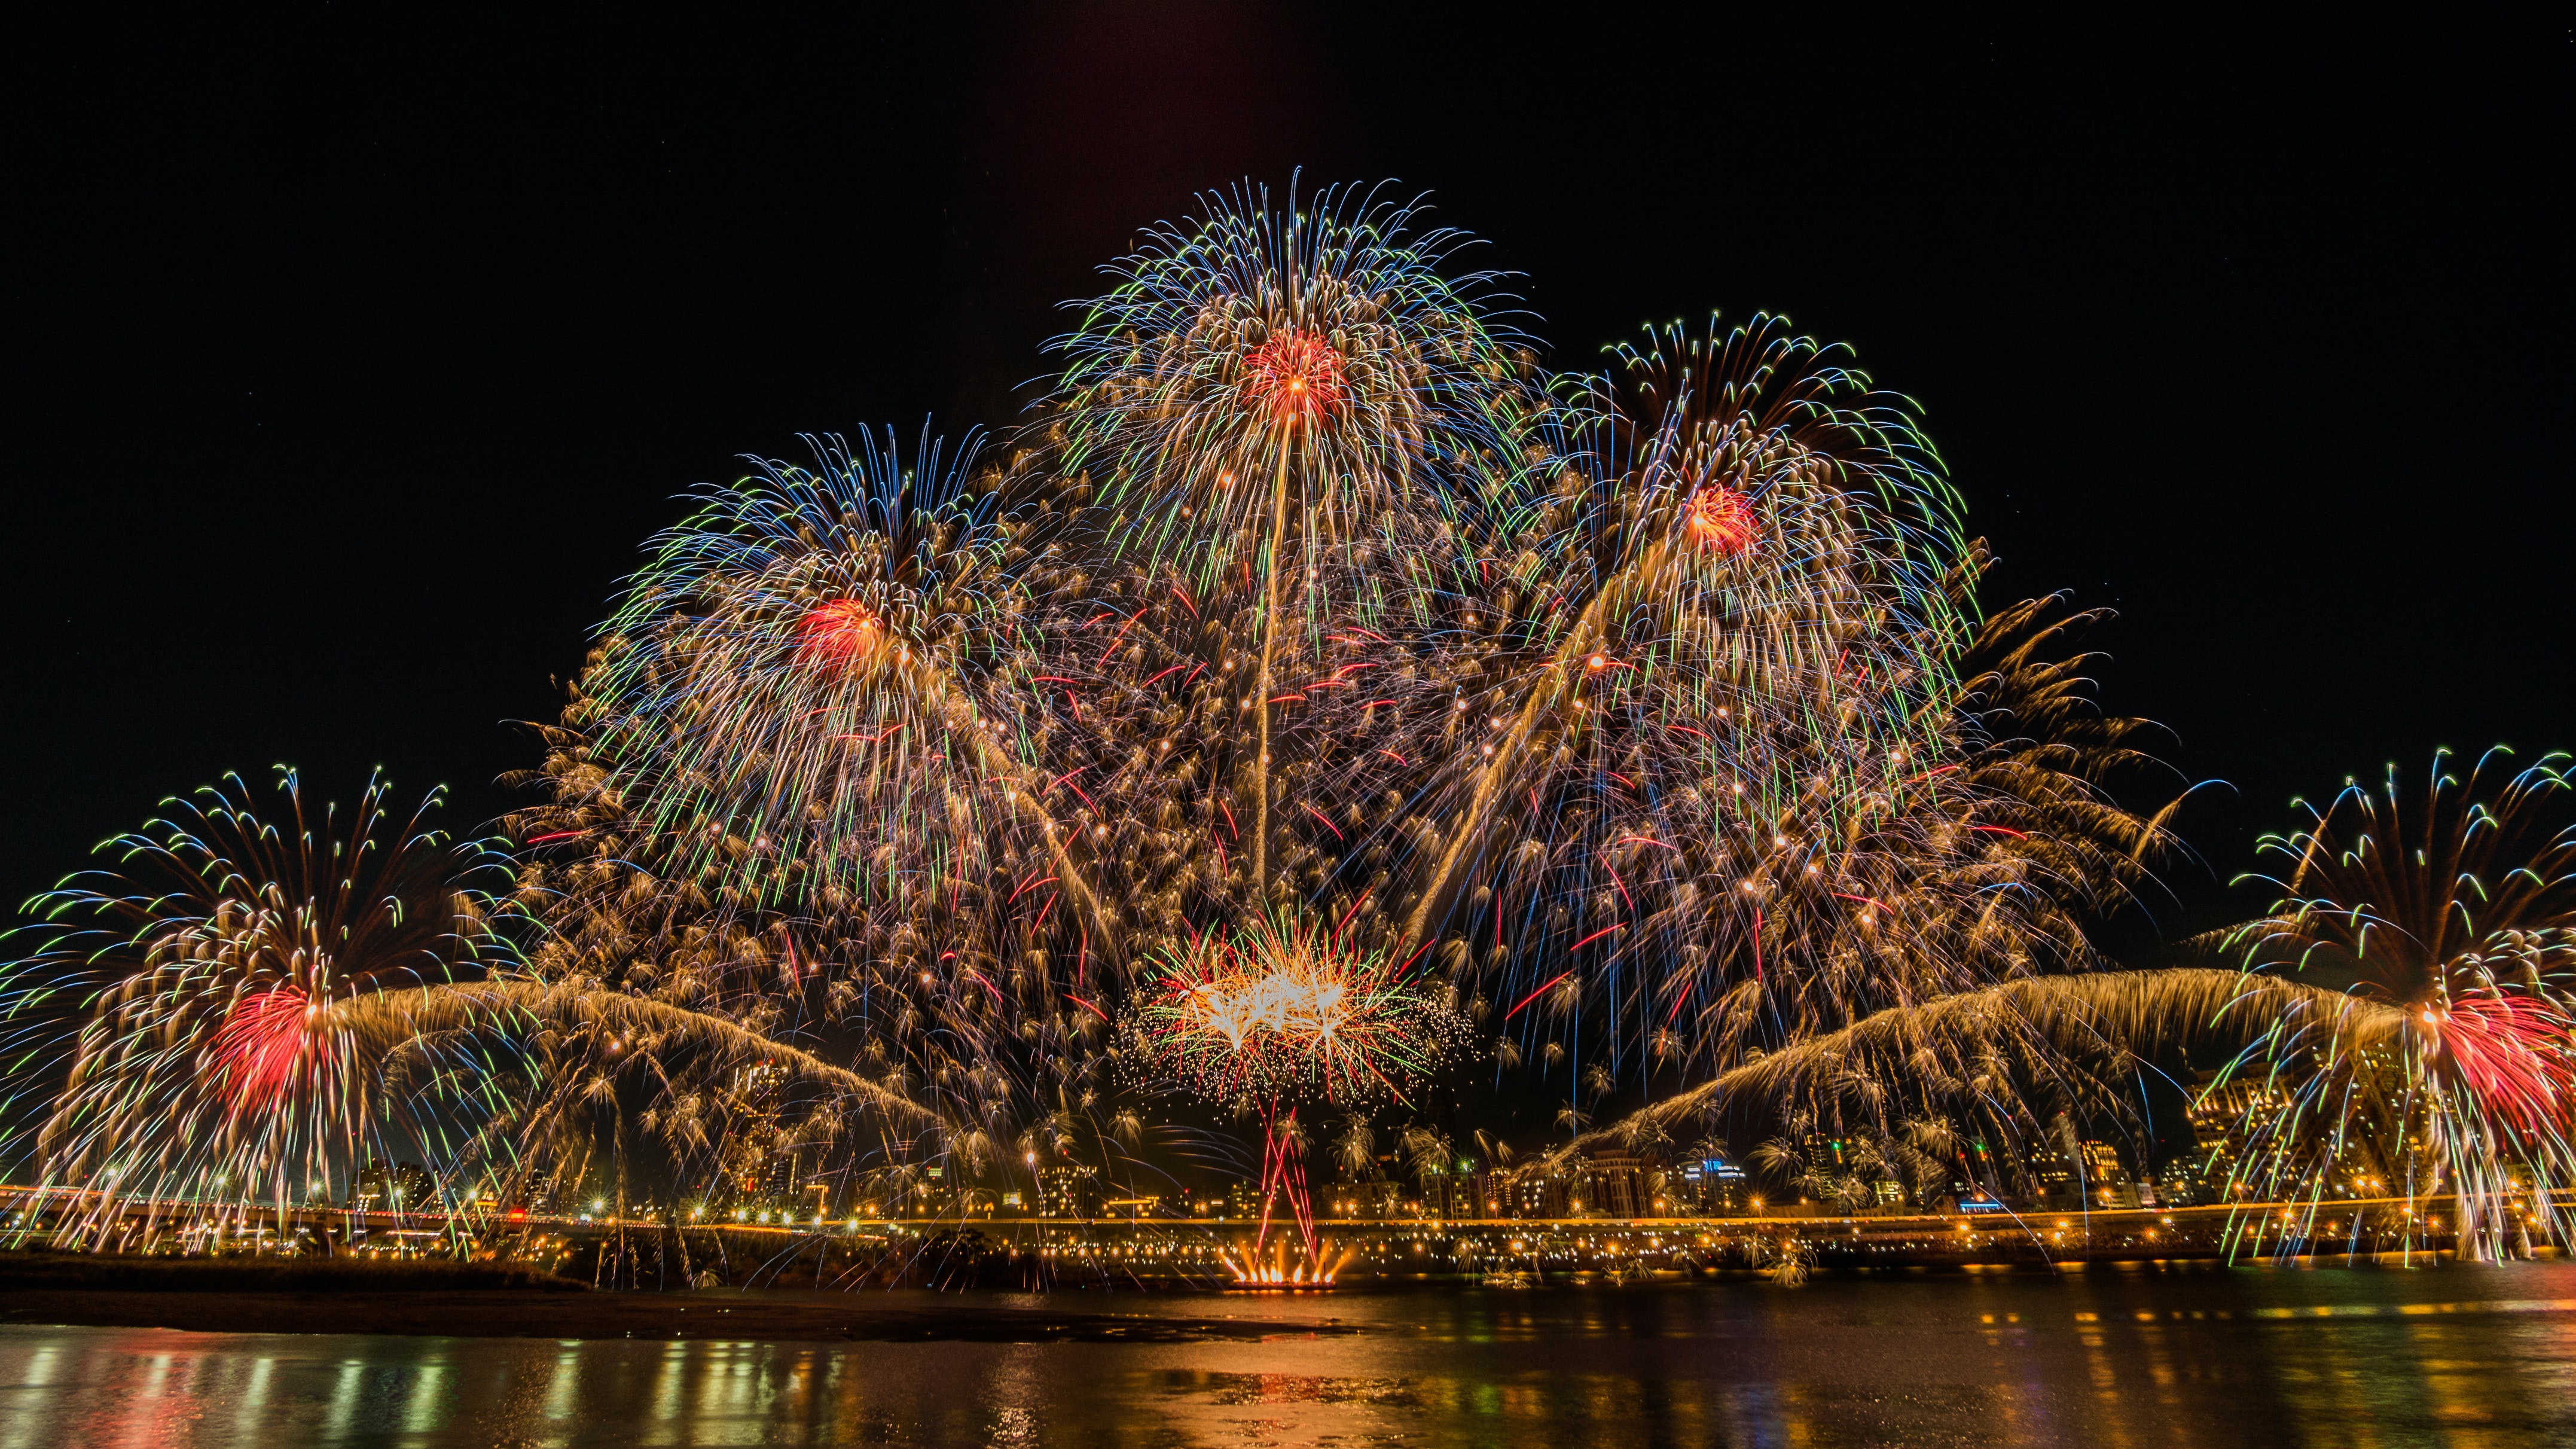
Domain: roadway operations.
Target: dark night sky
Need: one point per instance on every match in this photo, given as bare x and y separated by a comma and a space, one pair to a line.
353, 358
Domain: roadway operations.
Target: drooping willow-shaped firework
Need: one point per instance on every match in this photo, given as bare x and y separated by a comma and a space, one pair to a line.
2404, 1006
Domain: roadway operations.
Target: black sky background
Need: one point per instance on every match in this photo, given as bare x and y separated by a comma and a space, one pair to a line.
354, 357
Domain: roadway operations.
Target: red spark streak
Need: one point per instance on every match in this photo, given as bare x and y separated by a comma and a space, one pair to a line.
1533, 996
1681, 998
260, 1043
1622, 885
1597, 935
553, 835
1121, 634
1328, 825
1999, 830
2506, 1052
1346, 915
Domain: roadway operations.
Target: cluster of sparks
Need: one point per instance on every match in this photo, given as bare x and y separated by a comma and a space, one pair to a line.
1283, 1013
1312, 685
1279, 1014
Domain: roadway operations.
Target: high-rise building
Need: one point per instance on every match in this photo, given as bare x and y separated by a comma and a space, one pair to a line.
2222, 1116
1546, 1194
1714, 1186
413, 1190
1825, 1153
1615, 1185
2107, 1185
933, 1195
1068, 1192
372, 1189
2056, 1175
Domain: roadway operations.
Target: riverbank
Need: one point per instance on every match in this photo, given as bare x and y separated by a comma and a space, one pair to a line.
84, 1272
497, 1301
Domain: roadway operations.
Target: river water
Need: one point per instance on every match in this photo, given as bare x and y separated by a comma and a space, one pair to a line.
2190, 1355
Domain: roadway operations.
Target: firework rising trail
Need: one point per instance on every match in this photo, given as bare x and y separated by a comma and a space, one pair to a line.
177, 1007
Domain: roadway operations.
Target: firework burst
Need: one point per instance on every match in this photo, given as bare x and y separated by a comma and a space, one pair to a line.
2452, 909
1274, 1015
183, 999
1640, 718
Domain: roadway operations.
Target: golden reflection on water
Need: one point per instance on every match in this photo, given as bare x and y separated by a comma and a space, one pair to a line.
2468, 1356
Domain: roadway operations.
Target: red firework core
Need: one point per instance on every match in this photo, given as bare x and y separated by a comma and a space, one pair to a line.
261, 1044
2508, 1052
1297, 375
839, 631
1721, 520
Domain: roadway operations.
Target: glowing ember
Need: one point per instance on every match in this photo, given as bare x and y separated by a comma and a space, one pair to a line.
1297, 374
839, 631
1721, 520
